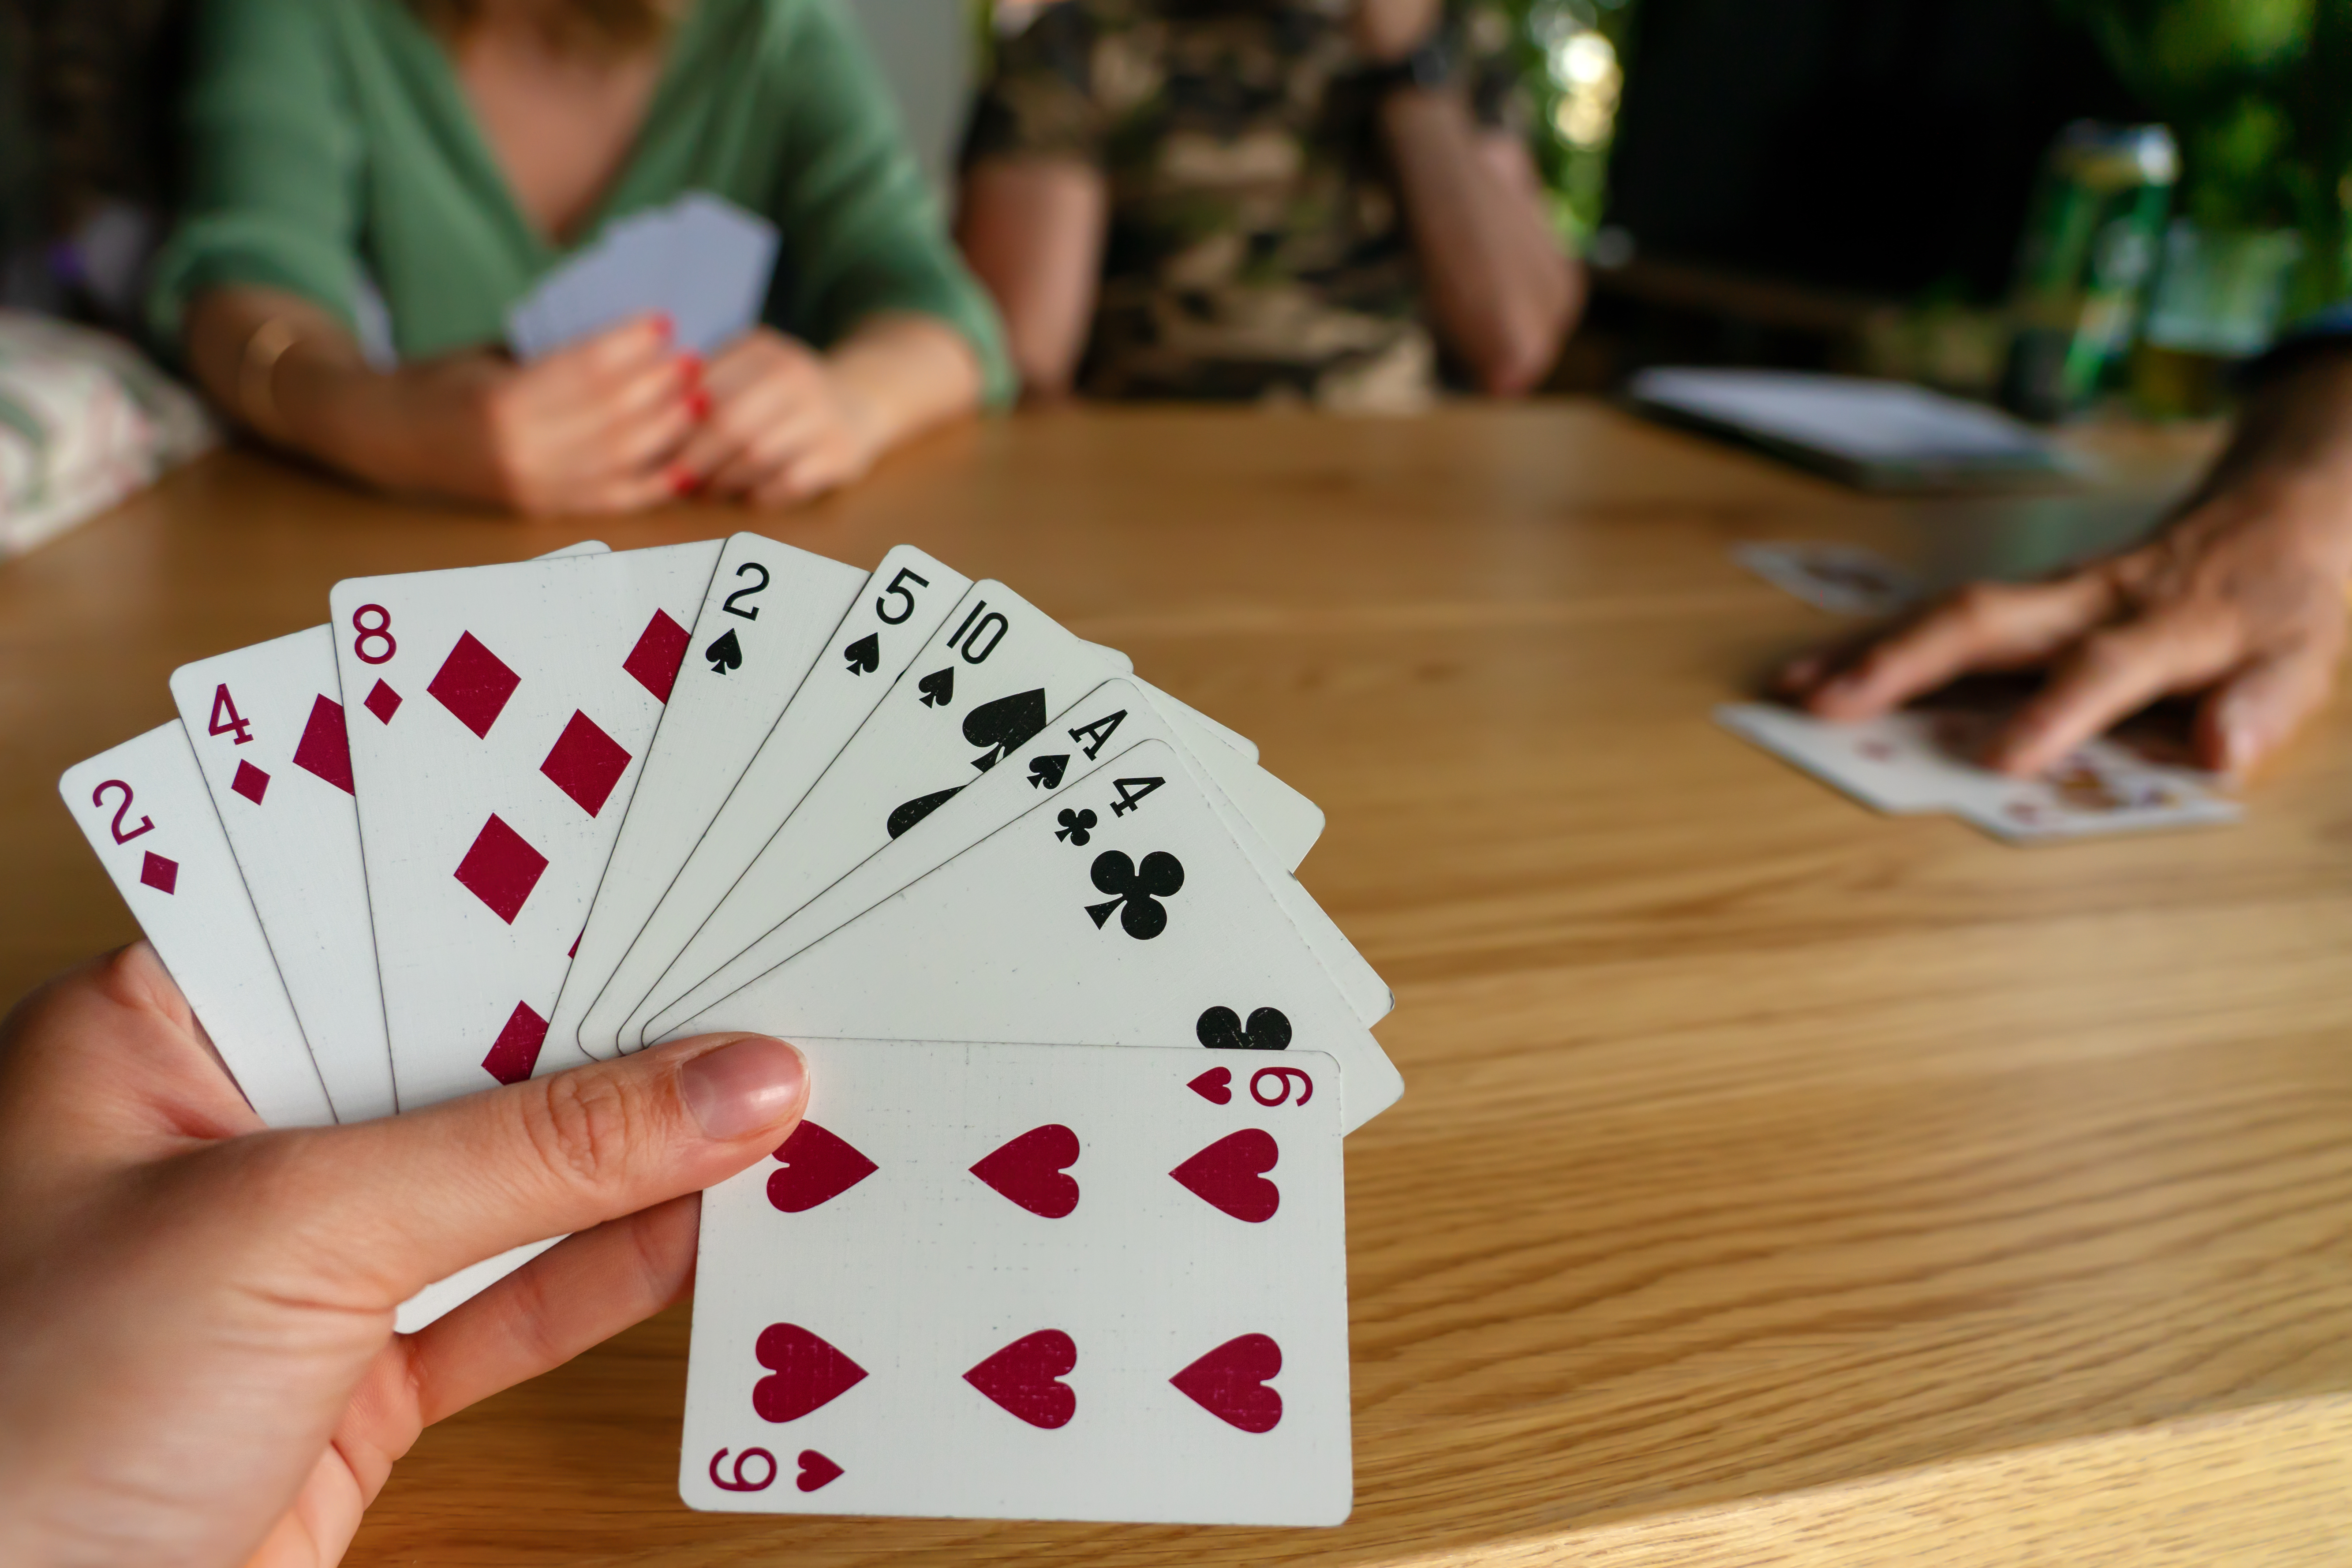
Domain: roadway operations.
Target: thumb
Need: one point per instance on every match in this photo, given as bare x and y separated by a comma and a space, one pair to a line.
401, 1202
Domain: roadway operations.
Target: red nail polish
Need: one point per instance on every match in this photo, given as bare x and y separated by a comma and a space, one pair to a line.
698, 405
682, 481
689, 365
664, 325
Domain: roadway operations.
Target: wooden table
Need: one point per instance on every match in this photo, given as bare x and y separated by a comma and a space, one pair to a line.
1775, 1182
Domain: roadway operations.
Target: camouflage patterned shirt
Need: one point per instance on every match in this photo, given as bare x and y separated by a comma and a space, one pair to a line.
1256, 249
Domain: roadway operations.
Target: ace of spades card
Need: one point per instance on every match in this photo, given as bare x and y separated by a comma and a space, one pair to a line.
1031, 1283
497, 720
1120, 912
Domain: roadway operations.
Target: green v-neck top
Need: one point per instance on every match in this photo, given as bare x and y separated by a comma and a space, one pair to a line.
329, 136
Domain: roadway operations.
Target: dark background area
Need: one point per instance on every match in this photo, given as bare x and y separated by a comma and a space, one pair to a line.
1780, 168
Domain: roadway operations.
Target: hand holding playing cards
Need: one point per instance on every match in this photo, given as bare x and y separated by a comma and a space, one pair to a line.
2242, 597
786, 423
196, 1352
590, 428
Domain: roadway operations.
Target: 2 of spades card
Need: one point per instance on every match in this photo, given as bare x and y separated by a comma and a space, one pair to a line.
997, 671
892, 620
1121, 911
764, 621
1031, 1283
498, 719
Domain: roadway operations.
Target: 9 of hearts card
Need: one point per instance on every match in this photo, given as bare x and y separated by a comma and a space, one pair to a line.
1032, 1282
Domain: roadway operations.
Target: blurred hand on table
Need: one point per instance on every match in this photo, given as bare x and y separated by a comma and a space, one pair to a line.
2239, 600
616, 422
197, 1349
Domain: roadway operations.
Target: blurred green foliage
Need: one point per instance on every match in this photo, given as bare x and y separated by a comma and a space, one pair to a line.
1575, 170
2259, 94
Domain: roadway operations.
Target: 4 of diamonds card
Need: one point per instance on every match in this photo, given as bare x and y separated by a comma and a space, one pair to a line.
1032, 1282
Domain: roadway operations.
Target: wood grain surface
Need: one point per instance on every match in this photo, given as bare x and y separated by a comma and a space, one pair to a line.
1775, 1182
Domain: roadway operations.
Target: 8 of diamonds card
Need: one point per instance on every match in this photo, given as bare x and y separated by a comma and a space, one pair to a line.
1032, 1282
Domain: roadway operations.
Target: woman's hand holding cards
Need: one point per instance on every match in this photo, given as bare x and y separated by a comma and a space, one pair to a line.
786, 423
593, 427
196, 1345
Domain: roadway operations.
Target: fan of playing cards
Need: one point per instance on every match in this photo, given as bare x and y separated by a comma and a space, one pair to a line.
488, 821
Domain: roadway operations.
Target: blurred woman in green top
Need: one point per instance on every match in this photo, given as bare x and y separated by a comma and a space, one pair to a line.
447, 153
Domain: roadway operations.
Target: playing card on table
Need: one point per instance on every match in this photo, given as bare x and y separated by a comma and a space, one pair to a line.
1895, 764
145, 810
768, 615
1917, 759
2100, 788
498, 718
996, 672
1119, 714
268, 725
1016, 1281
889, 622
1846, 579
1122, 911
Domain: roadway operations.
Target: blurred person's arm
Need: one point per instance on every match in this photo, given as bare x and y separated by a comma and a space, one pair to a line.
257, 287
1498, 287
2242, 597
876, 332
591, 428
1032, 230
1035, 212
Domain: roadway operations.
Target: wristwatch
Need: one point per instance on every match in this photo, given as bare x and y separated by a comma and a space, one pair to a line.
1429, 67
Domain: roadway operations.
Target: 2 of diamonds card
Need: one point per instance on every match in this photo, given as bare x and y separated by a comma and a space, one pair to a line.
1032, 1282
143, 807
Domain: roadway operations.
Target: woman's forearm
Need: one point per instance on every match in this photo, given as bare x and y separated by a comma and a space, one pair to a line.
290, 372
1501, 290
905, 374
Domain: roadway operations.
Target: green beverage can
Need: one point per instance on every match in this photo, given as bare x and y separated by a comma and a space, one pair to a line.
2090, 245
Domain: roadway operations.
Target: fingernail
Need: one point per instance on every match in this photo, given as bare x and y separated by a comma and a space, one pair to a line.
682, 481
689, 365
664, 325
698, 405
738, 1089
